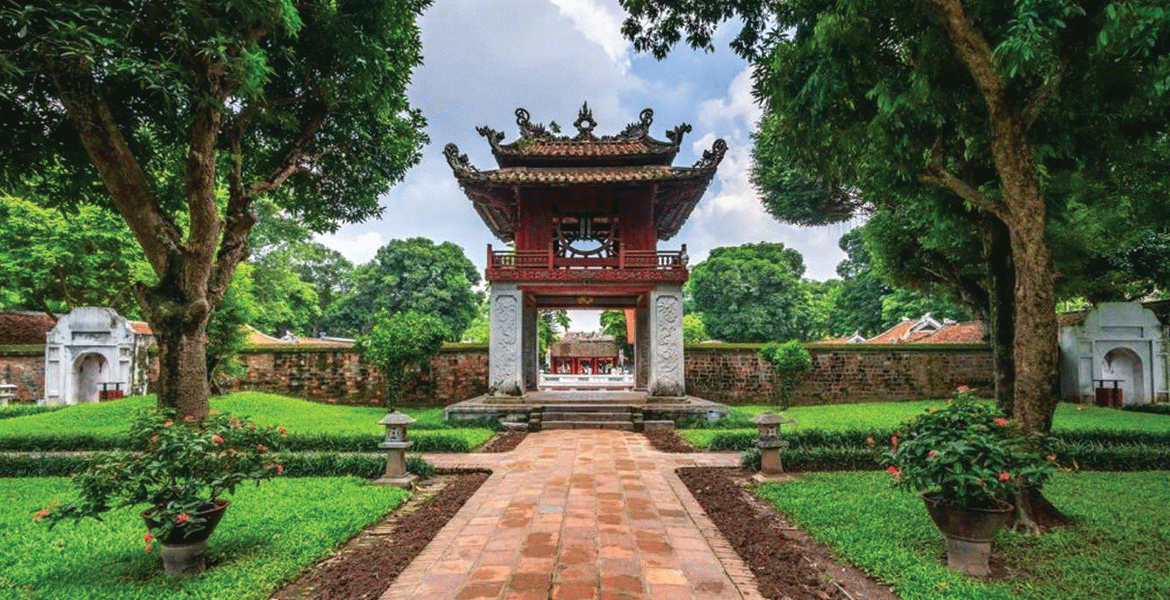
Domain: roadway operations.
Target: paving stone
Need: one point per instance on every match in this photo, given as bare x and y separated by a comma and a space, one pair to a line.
578, 514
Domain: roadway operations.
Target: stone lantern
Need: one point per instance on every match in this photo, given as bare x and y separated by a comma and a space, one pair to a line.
396, 446
770, 443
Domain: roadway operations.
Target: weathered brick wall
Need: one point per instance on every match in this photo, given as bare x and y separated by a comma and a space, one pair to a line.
338, 376
841, 373
24, 366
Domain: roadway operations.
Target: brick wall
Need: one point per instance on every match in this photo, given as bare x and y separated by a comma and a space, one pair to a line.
841, 373
24, 366
338, 376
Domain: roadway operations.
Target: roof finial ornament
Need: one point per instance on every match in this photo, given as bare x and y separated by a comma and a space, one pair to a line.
493, 137
585, 123
639, 130
712, 158
459, 162
530, 129
676, 135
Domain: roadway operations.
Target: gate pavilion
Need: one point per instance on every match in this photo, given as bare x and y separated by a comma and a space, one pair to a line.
583, 215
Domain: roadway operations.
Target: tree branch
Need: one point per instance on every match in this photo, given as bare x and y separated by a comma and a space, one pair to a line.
116, 165
292, 157
1043, 96
938, 175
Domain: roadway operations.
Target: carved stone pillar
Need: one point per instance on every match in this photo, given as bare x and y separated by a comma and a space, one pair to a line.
530, 345
642, 348
505, 377
667, 377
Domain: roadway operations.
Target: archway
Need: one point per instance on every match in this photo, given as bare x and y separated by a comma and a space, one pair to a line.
1125, 365
90, 370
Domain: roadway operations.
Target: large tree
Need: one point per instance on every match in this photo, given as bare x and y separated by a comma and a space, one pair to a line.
751, 293
993, 102
412, 275
163, 108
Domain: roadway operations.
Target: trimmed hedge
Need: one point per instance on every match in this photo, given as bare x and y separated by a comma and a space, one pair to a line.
434, 440
1156, 409
1089, 457
742, 439
302, 464
23, 410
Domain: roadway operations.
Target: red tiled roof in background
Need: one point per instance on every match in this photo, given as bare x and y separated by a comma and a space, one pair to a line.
892, 335
956, 333
141, 328
24, 327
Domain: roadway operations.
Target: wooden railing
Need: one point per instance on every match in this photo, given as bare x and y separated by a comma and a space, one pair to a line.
630, 260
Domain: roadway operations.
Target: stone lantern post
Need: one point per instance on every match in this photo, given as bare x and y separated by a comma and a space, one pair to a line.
770, 444
396, 446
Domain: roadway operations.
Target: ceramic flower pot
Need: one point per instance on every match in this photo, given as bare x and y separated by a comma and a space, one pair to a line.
968, 531
185, 547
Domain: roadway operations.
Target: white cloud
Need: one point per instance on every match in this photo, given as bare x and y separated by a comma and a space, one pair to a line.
598, 23
358, 248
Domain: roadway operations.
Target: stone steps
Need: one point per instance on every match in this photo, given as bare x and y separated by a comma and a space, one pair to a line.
620, 426
590, 414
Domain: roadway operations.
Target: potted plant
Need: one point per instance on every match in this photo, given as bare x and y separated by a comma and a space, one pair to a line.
968, 463
180, 471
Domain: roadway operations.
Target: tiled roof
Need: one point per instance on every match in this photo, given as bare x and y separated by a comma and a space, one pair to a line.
956, 333
928, 331
141, 328
257, 338
24, 327
893, 335
585, 175
587, 148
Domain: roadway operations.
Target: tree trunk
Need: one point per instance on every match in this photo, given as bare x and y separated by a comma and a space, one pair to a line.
997, 252
182, 343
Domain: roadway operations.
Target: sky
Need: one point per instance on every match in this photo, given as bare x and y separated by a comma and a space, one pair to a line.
485, 58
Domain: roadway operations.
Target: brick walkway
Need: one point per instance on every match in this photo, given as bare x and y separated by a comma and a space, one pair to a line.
578, 514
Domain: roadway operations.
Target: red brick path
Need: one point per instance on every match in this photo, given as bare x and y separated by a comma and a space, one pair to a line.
577, 515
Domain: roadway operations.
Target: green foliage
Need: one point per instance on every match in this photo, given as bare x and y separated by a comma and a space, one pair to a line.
23, 410
693, 330
269, 536
417, 466
410, 275
969, 455
185, 467
227, 333
790, 362
1156, 409
1114, 552
751, 293
613, 322
55, 261
398, 341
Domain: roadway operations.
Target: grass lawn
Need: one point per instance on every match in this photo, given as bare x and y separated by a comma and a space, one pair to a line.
1116, 549
301, 417
268, 536
888, 415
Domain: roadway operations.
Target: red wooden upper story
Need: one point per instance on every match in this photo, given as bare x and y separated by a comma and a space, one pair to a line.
585, 208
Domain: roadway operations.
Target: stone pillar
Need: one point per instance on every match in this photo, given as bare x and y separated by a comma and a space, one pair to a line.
505, 376
642, 348
667, 375
530, 345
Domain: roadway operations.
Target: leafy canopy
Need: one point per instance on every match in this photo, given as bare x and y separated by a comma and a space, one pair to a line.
750, 293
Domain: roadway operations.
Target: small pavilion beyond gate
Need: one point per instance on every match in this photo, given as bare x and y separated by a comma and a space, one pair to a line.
584, 215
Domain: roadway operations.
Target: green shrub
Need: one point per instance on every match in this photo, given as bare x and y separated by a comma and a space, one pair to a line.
417, 466
790, 362
751, 459
23, 410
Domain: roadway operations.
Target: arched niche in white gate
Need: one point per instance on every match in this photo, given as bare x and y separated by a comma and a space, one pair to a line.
92, 346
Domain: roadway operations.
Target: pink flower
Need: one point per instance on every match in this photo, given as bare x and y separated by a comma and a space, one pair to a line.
168, 423
932, 453
251, 427
153, 439
148, 548
182, 518
261, 449
1002, 422
963, 389
148, 538
869, 441
1005, 476
282, 431
279, 469
1051, 458
895, 472
189, 418
42, 513
216, 439
894, 442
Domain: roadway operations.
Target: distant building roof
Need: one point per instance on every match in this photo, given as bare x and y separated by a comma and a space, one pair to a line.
258, 338
24, 326
927, 330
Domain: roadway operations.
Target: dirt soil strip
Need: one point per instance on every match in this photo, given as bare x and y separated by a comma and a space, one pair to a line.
504, 441
668, 441
366, 565
787, 563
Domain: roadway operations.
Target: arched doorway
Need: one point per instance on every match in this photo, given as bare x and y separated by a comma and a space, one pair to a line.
89, 372
1125, 365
